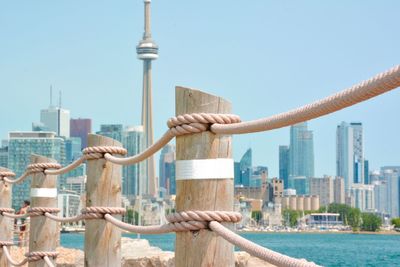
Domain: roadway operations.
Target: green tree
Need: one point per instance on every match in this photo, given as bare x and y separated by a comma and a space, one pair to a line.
290, 217
354, 219
370, 222
132, 216
256, 215
396, 222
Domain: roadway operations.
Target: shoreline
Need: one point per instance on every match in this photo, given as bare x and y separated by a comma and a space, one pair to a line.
321, 232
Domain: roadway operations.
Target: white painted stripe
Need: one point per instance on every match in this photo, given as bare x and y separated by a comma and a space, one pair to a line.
43, 192
204, 169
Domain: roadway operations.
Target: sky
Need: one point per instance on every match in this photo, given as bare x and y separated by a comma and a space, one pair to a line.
265, 57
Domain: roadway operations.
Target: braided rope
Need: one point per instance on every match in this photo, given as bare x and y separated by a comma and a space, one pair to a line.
41, 167
7, 210
40, 211
206, 216
18, 180
10, 259
38, 255
6, 174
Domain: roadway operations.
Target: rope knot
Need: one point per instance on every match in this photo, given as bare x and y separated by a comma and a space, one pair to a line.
4, 174
7, 210
99, 212
38, 255
198, 122
41, 167
97, 152
40, 211
6, 243
197, 220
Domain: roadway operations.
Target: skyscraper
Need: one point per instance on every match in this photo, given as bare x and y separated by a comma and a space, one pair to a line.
284, 165
167, 169
81, 128
55, 119
4, 156
349, 153
392, 179
324, 188
301, 152
133, 174
21, 146
113, 131
147, 50
246, 167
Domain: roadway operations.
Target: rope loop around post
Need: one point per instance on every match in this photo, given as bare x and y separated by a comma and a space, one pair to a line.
198, 122
6, 210
99, 212
98, 152
42, 167
204, 216
8, 174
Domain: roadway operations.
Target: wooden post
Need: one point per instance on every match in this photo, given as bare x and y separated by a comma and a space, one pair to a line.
103, 189
43, 232
203, 248
6, 224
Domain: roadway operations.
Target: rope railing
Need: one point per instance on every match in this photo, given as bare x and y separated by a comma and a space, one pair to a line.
29, 257
190, 124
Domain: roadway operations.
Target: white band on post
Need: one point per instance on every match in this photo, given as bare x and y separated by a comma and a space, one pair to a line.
204, 169
43, 192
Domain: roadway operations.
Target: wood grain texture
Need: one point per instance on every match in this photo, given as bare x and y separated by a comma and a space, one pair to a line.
102, 239
203, 248
6, 224
43, 233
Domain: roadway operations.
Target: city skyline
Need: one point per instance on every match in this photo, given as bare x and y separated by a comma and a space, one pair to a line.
102, 62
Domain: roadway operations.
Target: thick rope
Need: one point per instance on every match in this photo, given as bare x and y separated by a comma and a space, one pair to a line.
40, 211
41, 167
38, 255
48, 261
257, 250
10, 259
18, 180
381, 83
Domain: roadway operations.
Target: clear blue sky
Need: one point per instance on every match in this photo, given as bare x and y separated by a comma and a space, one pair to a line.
263, 56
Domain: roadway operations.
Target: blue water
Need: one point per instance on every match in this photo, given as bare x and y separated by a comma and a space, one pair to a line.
324, 249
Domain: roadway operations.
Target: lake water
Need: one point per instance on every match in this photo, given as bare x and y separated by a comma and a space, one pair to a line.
324, 249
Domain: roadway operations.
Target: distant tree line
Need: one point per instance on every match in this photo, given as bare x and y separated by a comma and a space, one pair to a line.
352, 217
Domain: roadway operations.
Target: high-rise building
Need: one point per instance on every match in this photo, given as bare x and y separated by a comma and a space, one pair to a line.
167, 169
284, 165
349, 153
113, 131
324, 188
301, 184
21, 146
338, 189
246, 167
81, 128
362, 197
259, 176
301, 152
4, 157
133, 174
392, 179
366, 172
381, 196
147, 50
72, 149
54, 118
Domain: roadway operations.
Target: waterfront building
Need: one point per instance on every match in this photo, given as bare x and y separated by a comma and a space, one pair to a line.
69, 203
380, 196
167, 169
72, 149
324, 219
300, 203
289, 192
4, 157
301, 153
81, 128
147, 50
259, 176
391, 176
350, 153
366, 172
362, 197
374, 176
76, 184
275, 190
21, 146
338, 189
323, 187
284, 165
133, 179
113, 131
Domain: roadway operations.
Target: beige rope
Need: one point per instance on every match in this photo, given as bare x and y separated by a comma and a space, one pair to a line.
365, 90
40, 211
18, 180
257, 250
10, 259
41, 167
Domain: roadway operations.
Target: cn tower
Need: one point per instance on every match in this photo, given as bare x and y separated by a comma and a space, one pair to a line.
147, 50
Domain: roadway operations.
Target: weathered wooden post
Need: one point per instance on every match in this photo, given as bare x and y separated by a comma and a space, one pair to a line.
103, 189
43, 232
202, 248
6, 224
